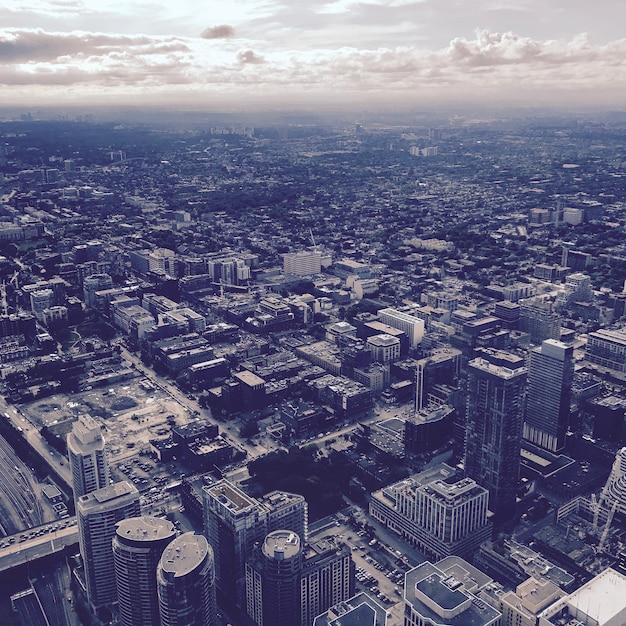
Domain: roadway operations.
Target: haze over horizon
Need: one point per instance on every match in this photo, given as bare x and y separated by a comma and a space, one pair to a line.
317, 53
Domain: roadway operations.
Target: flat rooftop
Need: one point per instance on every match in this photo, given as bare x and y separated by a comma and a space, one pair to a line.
228, 494
184, 554
602, 598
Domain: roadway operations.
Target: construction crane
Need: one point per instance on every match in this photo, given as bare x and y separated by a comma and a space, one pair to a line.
605, 532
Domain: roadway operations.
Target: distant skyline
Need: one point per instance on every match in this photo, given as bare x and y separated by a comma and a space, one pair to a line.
244, 54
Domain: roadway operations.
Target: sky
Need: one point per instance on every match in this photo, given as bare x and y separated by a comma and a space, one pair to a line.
313, 53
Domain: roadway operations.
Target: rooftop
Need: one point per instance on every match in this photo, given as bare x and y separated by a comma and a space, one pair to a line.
145, 528
184, 554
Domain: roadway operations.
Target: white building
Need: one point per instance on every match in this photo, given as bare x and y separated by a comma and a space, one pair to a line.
411, 325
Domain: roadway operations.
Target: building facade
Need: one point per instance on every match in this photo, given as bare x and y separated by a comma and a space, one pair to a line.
87, 452
186, 582
495, 414
98, 514
137, 548
550, 375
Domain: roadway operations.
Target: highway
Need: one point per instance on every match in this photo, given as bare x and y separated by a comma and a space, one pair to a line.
37, 542
18, 492
57, 462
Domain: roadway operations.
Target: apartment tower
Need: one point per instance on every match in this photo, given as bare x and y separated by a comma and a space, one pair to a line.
550, 375
137, 548
186, 582
495, 413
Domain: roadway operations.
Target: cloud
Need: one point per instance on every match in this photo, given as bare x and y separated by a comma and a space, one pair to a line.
502, 65
223, 31
249, 57
31, 45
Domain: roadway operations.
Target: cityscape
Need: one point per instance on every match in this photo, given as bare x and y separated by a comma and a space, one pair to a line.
308, 371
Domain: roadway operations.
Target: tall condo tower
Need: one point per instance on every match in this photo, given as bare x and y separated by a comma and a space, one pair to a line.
97, 514
234, 522
86, 449
550, 375
495, 412
186, 582
273, 581
137, 548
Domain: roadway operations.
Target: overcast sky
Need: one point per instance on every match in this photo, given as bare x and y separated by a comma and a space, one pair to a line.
278, 53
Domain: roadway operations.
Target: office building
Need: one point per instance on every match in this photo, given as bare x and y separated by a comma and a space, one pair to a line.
607, 348
437, 511
433, 596
426, 431
97, 516
495, 412
137, 548
550, 375
186, 582
234, 522
87, 452
522, 606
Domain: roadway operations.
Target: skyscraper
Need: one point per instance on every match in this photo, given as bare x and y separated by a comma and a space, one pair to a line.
273, 581
97, 515
327, 577
137, 548
86, 449
495, 412
186, 582
289, 583
234, 522
550, 375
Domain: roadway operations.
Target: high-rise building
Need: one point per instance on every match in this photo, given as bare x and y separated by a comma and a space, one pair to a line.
437, 511
234, 522
289, 584
97, 515
607, 348
186, 582
410, 324
137, 548
538, 319
550, 375
495, 413
86, 449
328, 577
273, 581
442, 367
305, 263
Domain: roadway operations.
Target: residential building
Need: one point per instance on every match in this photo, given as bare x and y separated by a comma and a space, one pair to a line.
98, 514
186, 582
87, 453
495, 413
137, 548
411, 325
550, 375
